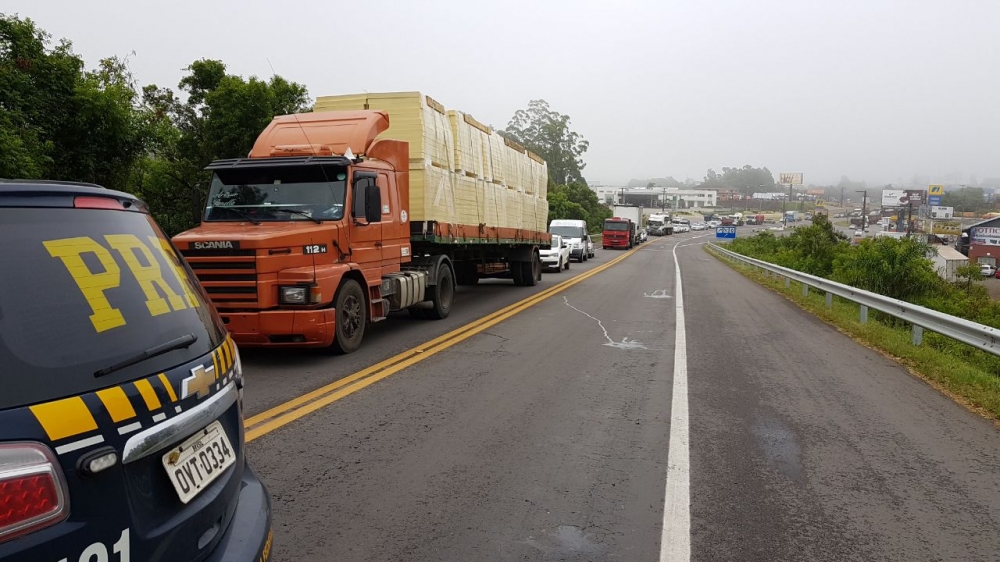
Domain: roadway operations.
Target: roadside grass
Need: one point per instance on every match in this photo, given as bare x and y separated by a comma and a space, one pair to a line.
967, 375
842, 223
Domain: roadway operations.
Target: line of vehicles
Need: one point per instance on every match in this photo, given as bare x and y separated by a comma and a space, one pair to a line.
121, 417
121, 422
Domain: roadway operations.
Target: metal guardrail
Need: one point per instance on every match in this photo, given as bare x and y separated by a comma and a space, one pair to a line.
977, 335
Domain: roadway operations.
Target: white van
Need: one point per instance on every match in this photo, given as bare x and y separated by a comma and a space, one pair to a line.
574, 232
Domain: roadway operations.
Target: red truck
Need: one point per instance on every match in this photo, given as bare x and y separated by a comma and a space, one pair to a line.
755, 219
618, 233
304, 244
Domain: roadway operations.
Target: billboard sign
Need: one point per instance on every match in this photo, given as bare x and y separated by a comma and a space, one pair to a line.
947, 227
934, 194
985, 236
790, 178
893, 197
942, 212
916, 196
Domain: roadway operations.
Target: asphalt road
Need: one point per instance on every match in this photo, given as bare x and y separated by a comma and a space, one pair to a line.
547, 436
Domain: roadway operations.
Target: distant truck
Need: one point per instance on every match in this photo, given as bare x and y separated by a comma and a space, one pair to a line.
790, 216
659, 225
632, 213
304, 244
755, 219
619, 233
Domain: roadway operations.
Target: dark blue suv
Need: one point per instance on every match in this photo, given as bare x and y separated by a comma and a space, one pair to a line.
121, 423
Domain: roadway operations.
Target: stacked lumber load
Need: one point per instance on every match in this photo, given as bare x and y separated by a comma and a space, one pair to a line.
461, 171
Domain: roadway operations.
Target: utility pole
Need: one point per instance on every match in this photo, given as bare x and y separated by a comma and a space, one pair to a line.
864, 210
746, 200
663, 201
909, 218
841, 196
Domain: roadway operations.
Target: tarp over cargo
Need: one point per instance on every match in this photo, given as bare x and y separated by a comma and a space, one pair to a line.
461, 171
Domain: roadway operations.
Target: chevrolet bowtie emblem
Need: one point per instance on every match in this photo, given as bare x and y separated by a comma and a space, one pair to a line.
200, 382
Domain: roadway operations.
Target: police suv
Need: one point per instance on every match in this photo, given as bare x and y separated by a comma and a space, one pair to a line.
121, 424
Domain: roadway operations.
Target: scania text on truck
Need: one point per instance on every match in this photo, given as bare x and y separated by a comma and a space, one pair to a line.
305, 244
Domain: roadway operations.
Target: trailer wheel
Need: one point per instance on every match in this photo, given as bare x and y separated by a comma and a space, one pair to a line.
515, 273
444, 294
352, 317
527, 273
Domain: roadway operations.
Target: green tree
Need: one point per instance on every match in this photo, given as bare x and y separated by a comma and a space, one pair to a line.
896, 268
965, 199
546, 133
58, 121
966, 274
577, 201
221, 118
747, 177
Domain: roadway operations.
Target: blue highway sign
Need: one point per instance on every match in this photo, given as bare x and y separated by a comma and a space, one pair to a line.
725, 232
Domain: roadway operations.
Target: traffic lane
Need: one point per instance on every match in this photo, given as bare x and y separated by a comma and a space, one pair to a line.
544, 438
808, 446
275, 376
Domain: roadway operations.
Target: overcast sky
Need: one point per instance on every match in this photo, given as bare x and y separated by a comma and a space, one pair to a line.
876, 90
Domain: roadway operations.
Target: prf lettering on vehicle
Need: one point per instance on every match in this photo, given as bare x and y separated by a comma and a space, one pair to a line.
140, 259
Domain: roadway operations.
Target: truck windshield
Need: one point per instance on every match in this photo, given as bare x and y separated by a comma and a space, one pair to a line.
277, 194
615, 225
568, 231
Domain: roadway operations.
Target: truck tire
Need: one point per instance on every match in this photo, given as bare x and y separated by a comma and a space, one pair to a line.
352, 317
442, 294
515, 273
532, 270
527, 273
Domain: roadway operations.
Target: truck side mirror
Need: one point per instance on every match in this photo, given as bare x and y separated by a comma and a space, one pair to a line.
363, 184
373, 203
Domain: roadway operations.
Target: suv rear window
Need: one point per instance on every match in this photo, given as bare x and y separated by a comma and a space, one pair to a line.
84, 289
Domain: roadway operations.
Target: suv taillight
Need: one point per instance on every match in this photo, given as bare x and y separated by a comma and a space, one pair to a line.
32, 490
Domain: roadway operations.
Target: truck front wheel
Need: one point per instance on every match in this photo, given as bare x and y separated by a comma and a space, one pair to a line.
352, 317
443, 294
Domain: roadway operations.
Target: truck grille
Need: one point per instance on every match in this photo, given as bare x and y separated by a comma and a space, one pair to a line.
229, 276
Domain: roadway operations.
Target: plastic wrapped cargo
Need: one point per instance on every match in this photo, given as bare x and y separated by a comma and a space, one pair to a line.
413, 117
461, 171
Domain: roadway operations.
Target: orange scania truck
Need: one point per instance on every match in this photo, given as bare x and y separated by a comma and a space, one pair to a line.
308, 240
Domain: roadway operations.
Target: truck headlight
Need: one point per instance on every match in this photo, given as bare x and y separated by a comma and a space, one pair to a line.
293, 295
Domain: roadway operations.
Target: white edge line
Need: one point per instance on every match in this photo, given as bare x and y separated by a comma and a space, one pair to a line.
70, 447
159, 417
126, 429
675, 542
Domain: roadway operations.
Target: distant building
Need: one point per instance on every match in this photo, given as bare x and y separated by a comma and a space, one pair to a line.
981, 241
658, 196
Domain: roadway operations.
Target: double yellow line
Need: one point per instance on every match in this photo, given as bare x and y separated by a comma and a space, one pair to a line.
283, 414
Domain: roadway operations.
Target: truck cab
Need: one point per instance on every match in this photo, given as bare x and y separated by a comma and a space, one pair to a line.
618, 233
306, 244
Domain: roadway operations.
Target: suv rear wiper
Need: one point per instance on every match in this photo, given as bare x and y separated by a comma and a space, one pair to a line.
182, 342
244, 214
298, 212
